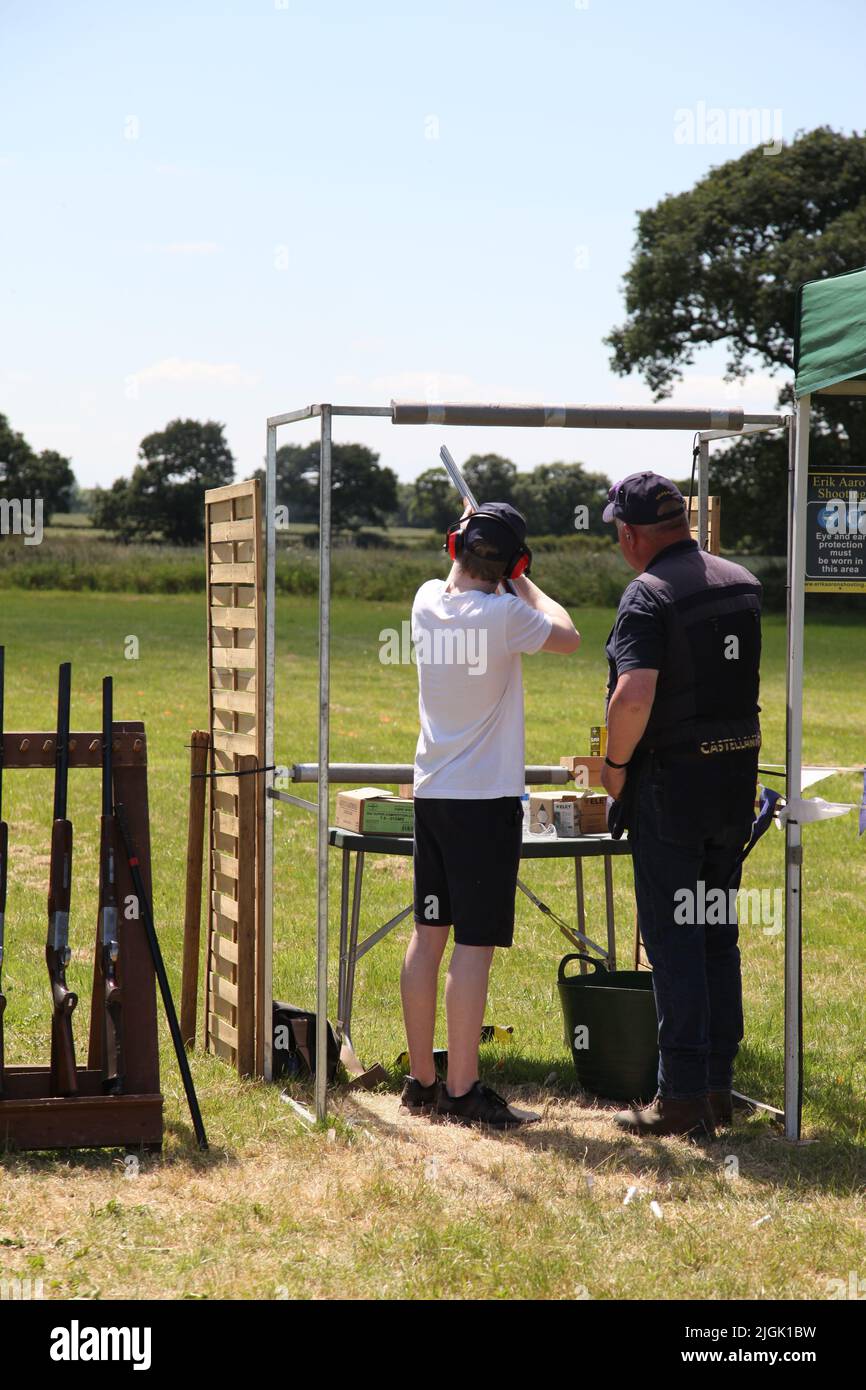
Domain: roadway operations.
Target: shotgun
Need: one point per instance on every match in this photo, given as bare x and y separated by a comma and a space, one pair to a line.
146, 915
112, 1068
462, 487
457, 477
4, 850
64, 1077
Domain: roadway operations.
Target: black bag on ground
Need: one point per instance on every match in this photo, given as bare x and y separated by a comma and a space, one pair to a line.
294, 1044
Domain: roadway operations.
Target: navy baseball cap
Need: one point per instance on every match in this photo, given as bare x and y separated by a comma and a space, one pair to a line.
500, 529
642, 499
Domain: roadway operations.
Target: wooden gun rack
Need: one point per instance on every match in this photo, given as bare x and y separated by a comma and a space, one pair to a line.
30, 1117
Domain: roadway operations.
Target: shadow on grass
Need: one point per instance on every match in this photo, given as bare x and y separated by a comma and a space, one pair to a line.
832, 1161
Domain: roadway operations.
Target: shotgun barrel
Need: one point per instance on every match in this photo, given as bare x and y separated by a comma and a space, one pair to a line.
64, 1077
112, 1052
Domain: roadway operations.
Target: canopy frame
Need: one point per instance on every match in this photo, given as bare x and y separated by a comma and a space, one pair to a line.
709, 424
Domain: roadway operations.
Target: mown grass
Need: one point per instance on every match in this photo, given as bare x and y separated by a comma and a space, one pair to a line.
390, 1207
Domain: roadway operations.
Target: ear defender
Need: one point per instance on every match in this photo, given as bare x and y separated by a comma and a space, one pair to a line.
517, 565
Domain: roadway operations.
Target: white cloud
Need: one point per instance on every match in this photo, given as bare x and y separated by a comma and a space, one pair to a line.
184, 371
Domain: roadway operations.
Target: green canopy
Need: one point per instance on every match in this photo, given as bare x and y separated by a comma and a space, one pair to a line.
831, 331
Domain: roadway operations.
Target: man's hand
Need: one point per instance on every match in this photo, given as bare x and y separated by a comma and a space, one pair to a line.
613, 780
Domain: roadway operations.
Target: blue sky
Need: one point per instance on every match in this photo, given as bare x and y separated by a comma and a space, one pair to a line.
228, 210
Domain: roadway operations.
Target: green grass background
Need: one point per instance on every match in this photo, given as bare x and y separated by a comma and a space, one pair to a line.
374, 717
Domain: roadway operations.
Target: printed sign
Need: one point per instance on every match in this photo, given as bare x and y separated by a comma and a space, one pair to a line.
836, 531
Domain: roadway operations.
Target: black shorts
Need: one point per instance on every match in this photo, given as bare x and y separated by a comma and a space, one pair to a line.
467, 855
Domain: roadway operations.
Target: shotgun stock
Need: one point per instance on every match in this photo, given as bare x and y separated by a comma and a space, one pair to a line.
4, 851
64, 1077
112, 1068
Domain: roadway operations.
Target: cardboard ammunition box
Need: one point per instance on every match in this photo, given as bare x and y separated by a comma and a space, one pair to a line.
598, 740
584, 768
558, 809
372, 811
592, 812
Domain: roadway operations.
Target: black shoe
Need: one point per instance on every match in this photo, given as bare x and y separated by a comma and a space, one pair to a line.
418, 1099
480, 1106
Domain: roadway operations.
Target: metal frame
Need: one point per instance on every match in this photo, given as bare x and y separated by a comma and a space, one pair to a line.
708, 424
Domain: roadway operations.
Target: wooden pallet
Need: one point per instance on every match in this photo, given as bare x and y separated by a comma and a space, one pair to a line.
714, 516
235, 1015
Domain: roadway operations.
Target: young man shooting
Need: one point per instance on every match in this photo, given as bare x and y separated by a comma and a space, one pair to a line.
469, 779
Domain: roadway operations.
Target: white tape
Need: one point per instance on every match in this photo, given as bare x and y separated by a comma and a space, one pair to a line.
555, 416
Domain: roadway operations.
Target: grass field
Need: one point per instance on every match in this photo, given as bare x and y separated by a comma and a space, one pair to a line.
384, 1206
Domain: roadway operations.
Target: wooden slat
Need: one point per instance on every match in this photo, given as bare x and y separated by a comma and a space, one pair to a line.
225, 864
229, 492
220, 1028
225, 905
233, 659
224, 989
224, 824
232, 530
221, 1049
236, 743
225, 949
233, 574
234, 701
242, 618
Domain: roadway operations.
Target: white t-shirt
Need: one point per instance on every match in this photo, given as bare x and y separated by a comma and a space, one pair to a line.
470, 690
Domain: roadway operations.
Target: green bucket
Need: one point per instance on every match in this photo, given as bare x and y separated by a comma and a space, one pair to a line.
611, 1026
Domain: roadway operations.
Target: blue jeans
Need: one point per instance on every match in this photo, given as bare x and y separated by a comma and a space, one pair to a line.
691, 817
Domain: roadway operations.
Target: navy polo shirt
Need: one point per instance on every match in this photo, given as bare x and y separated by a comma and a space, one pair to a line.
637, 639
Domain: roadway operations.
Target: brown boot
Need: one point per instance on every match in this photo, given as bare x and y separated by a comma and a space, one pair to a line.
691, 1118
722, 1106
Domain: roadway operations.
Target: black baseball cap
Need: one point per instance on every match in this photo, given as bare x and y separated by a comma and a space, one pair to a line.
642, 499
500, 529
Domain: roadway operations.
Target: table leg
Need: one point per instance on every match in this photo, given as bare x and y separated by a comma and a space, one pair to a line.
344, 934
353, 942
581, 906
608, 907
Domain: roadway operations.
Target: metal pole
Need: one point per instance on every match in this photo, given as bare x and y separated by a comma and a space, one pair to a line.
324, 754
703, 494
798, 465
267, 971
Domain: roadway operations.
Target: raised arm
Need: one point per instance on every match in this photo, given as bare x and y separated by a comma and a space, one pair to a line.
564, 636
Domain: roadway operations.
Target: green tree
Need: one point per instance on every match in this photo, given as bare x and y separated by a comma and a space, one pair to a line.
26, 474
491, 477
165, 495
434, 501
363, 493
550, 494
721, 264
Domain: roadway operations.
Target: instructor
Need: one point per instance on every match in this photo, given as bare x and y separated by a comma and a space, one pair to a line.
682, 759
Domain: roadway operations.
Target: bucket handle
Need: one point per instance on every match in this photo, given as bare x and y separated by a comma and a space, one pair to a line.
580, 955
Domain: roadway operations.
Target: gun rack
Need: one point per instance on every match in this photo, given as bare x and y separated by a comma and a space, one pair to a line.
31, 1118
